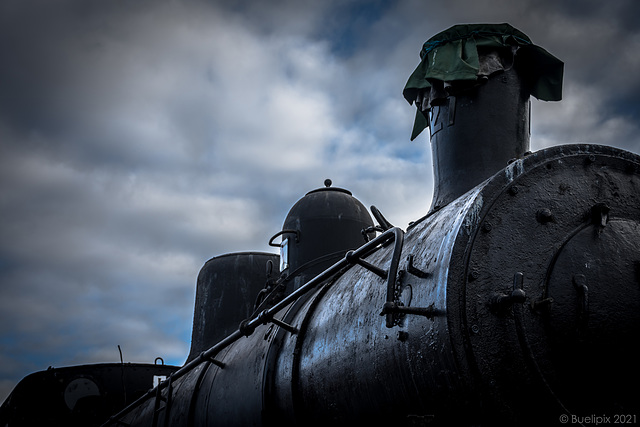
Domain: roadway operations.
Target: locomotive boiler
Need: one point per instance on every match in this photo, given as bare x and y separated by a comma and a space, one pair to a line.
514, 301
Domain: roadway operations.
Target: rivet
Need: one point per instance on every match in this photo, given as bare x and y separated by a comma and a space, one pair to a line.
473, 275
513, 190
475, 329
544, 215
486, 227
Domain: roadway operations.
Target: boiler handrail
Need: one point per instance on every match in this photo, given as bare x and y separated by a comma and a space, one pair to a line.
248, 326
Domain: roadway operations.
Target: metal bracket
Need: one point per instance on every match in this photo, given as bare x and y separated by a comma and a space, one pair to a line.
392, 275
542, 305
353, 259
265, 316
167, 406
394, 308
287, 327
500, 302
216, 362
600, 214
413, 270
580, 283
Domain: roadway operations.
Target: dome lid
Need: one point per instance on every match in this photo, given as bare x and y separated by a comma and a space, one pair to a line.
327, 202
328, 187
322, 225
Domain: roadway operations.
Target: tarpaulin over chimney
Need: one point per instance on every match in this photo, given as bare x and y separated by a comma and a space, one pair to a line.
465, 55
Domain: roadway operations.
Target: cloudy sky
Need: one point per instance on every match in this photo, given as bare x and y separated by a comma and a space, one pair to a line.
138, 139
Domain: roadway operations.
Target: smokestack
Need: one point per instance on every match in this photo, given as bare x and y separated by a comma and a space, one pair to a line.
472, 90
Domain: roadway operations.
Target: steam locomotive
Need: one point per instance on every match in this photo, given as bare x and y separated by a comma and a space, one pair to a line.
514, 301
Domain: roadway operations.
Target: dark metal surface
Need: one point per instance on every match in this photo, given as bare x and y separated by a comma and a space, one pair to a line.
321, 227
84, 395
566, 345
467, 145
226, 292
238, 359
350, 367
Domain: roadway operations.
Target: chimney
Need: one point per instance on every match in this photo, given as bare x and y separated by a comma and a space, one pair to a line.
472, 90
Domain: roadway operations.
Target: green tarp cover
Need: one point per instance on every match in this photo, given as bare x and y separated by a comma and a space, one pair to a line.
452, 55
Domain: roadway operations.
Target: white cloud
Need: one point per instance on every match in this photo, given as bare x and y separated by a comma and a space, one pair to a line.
136, 144
583, 116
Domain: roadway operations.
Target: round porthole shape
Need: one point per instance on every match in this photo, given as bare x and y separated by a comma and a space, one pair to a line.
78, 389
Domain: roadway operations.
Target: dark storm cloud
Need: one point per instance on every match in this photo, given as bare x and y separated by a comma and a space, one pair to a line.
139, 139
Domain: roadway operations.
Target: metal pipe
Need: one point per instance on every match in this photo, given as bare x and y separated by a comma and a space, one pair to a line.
368, 248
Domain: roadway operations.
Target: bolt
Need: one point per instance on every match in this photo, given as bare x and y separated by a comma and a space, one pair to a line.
544, 215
